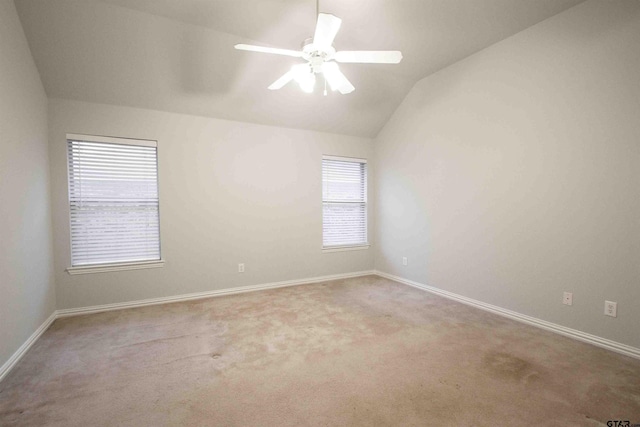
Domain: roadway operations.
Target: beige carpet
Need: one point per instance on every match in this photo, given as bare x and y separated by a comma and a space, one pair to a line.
365, 351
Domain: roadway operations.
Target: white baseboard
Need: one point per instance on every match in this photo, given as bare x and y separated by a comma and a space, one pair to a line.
617, 347
208, 294
15, 358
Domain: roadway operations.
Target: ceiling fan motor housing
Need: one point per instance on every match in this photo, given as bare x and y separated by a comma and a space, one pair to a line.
315, 56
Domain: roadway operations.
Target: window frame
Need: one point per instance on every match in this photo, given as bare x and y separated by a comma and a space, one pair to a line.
118, 265
350, 246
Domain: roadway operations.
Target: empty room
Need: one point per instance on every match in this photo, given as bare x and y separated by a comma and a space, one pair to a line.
322, 213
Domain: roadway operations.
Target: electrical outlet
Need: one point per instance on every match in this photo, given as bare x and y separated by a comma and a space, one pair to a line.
611, 308
567, 298
405, 261
240, 268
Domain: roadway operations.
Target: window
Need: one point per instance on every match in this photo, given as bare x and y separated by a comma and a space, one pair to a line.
113, 200
344, 202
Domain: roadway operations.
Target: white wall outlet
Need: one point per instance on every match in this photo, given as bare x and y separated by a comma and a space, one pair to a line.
567, 298
611, 308
240, 268
405, 261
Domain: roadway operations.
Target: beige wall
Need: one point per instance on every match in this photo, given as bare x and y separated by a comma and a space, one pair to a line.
514, 175
230, 192
27, 293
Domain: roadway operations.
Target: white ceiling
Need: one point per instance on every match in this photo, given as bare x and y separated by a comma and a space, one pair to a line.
177, 55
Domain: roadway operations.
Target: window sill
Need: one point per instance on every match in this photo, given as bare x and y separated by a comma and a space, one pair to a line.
105, 268
344, 248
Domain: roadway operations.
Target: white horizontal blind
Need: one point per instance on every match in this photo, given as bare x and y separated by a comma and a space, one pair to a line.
344, 200
113, 201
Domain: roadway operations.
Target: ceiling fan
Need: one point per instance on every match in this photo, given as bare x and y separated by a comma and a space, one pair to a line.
322, 58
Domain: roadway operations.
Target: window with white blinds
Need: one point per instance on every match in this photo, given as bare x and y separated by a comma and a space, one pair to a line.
113, 200
344, 202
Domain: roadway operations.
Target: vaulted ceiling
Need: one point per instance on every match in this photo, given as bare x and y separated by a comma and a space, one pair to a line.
178, 56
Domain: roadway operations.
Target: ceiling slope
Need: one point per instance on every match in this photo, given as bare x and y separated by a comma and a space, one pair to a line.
178, 56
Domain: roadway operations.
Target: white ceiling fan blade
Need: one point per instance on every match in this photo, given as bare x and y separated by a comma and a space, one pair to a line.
252, 48
369, 56
286, 78
326, 29
336, 79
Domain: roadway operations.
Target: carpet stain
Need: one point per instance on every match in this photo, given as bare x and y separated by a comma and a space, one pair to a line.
509, 367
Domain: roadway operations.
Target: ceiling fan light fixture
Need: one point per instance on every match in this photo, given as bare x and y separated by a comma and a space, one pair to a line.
308, 85
304, 76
